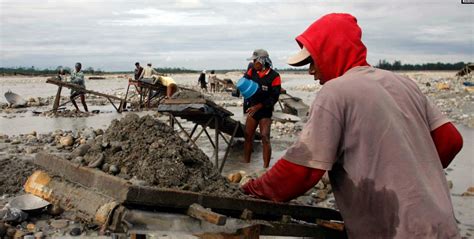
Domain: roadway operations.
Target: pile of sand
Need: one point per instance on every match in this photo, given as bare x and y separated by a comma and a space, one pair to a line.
149, 150
13, 174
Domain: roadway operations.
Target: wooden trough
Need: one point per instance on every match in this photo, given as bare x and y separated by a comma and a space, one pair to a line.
113, 202
76, 87
206, 114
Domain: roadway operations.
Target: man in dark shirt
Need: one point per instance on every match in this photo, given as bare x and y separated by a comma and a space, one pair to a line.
138, 70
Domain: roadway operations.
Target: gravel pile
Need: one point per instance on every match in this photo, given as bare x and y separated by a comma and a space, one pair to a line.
148, 152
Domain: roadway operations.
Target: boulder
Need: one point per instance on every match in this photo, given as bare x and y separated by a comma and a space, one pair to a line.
66, 140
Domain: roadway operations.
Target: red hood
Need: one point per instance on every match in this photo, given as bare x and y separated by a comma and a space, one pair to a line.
334, 42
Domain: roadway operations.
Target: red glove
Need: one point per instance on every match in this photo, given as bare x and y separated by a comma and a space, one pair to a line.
448, 142
284, 181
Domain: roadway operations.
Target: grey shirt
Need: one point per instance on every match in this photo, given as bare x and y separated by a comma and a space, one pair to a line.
78, 79
371, 129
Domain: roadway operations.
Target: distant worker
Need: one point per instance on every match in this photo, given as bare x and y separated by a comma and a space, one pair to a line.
213, 81
61, 75
260, 106
77, 77
170, 84
147, 74
138, 71
202, 80
383, 143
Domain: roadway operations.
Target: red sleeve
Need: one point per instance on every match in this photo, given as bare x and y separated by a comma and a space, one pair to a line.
448, 142
249, 72
284, 181
276, 81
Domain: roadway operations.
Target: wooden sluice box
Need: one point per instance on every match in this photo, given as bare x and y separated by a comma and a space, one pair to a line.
114, 203
206, 114
61, 84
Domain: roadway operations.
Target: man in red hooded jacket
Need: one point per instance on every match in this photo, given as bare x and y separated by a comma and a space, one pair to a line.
383, 143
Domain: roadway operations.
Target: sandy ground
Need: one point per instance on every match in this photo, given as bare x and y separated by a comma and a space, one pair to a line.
24, 131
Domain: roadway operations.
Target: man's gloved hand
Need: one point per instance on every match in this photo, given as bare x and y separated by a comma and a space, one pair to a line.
283, 182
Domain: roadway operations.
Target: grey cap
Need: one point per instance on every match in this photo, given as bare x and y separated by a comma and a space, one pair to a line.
258, 53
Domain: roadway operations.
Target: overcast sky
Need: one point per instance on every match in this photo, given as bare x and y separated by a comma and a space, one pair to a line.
204, 34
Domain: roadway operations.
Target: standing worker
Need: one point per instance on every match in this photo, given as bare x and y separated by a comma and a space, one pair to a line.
202, 80
260, 106
138, 71
213, 81
147, 74
77, 77
383, 142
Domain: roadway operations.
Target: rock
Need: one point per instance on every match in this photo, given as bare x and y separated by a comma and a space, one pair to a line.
31, 137
245, 179
18, 234
325, 179
30, 150
329, 188
99, 132
39, 235
78, 160
137, 182
470, 189
30, 227
55, 210
11, 232
15, 141
81, 150
59, 223
66, 141
97, 162
88, 133
82, 141
235, 177
75, 232
321, 194
105, 167
320, 185
113, 169
305, 200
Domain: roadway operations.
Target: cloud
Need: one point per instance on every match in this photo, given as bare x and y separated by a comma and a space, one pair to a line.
160, 17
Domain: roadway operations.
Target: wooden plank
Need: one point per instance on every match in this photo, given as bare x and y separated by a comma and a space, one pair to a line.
333, 225
194, 101
89, 177
199, 212
57, 99
262, 209
301, 230
154, 197
185, 101
80, 89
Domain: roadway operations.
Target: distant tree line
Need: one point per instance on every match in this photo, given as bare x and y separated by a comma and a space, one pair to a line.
47, 71
174, 70
382, 64
88, 70
398, 66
